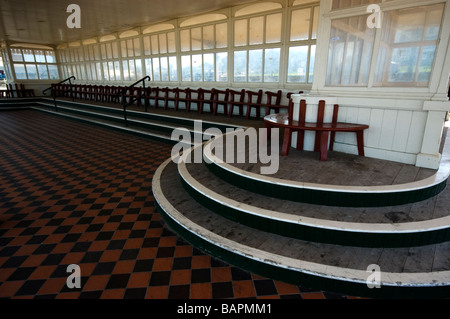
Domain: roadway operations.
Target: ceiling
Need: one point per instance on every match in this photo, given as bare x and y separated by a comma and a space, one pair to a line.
44, 21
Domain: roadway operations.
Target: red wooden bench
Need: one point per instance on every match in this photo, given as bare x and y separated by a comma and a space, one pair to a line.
236, 99
323, 130
220, 98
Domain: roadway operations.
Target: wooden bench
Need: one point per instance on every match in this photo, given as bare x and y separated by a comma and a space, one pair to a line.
220, 98
236, 99
204, 97
323, 130
273, 102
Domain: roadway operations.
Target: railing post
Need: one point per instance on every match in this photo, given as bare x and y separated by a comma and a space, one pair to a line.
54, 98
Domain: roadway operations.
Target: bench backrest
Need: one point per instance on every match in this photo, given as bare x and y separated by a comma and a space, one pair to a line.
320, 112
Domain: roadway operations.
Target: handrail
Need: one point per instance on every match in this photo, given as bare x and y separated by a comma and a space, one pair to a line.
54, 93
124, 101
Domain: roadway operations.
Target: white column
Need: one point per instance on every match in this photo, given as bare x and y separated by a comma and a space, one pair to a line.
429, 156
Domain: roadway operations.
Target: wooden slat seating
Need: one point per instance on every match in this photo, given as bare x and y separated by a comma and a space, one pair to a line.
113, 95
220, 98
236, 99
170, 95
94, 93
153, 93
251, 103
325, 132
195, 97
185, 97
205, 97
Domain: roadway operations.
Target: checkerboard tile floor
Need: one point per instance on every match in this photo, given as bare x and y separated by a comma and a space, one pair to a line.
74, 193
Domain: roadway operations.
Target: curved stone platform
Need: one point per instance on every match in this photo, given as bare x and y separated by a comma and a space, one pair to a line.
405, 272
320, 193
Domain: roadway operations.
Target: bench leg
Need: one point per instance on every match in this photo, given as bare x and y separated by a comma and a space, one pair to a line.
332, 139
286, 142
300, 140
324, 135
360, 141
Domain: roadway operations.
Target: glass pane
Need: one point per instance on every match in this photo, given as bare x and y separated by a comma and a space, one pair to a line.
272, 65
112, 76
208, 37
132, 70
196, 38
96, 52
147, 46
171, 43
130, 48
255, 66
298, 64
273, 28
17, 55
103, 49
408, 46
138, 65
186, 68
222, 67
148, 68
53, 72
123, 48
312, 60
21, 74
40, 56
28, 55
117, 70
173, 68
42, 71
403, 65
155, 44
197, 68
300, 24
185, 40
240, 66
162, 43
156, 70
208, 66
164, 69
222, 35
137, 47
109, 51
115, 50
315, 23
32, 72
256, 31
240, 32
350, 52
126, 73
426, 63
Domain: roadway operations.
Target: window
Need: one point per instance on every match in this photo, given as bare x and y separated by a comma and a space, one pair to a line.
408, 46
405, 49
257, 42
160, 61
203, 57
351, 47
34, 64
302, 45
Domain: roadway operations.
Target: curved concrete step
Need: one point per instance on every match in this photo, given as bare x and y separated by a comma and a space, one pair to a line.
322, 194
365, 227
405, 272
